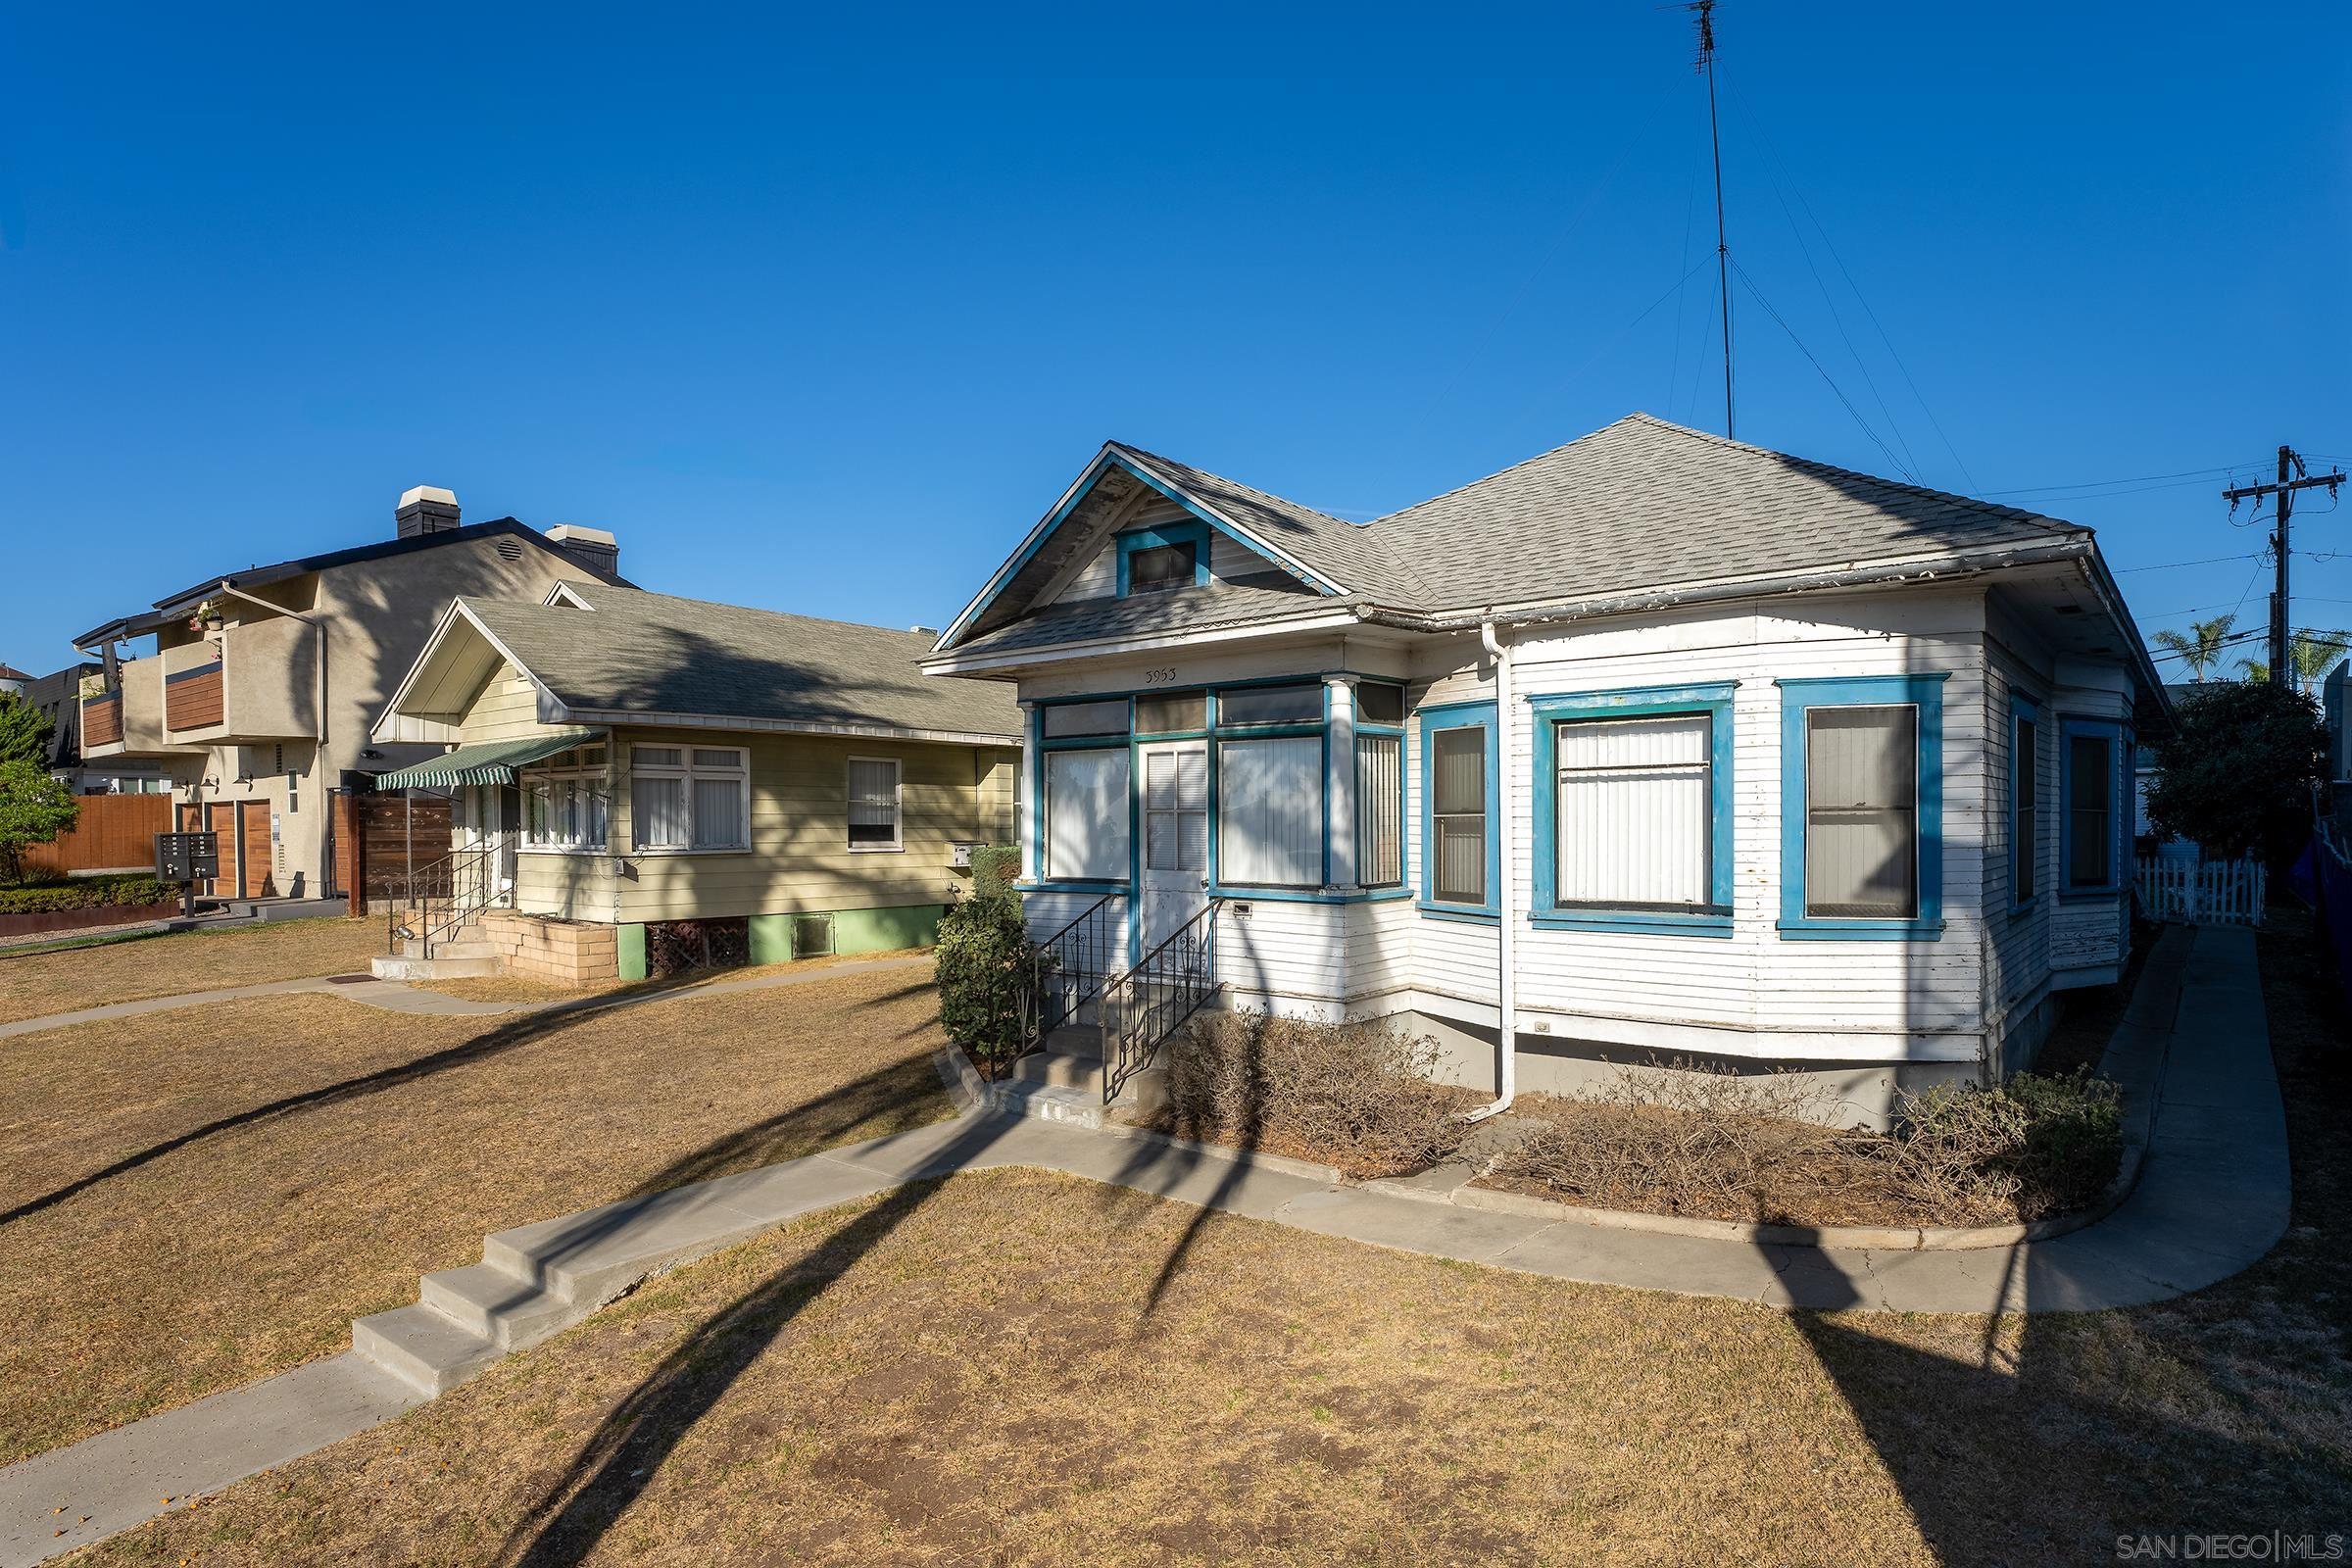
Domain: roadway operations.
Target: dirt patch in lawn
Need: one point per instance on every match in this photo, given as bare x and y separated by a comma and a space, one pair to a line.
196, 1199
34, 985
1018, 1367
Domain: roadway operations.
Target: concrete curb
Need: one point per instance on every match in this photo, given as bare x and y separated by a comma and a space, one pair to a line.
1306, 1169
964, 1085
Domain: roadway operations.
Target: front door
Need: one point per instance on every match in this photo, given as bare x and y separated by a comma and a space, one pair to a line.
256, 855
1175, 885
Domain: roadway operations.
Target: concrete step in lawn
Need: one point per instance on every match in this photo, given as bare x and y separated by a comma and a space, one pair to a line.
1065, 1083
461, 954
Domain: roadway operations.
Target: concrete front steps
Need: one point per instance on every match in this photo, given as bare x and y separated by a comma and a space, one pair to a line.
536, 1280
1064, 1083
464, 953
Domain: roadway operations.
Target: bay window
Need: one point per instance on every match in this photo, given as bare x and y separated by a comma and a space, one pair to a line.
1087, 837
690, 796
1270, 811
1861, 806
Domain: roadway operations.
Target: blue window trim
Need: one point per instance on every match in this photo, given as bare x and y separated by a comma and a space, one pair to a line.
2023, 711
1922, 692
1461, 716
2115, 733
1195, 535
1548, 709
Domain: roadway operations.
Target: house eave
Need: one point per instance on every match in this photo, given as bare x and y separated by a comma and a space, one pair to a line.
623, 717
952, 663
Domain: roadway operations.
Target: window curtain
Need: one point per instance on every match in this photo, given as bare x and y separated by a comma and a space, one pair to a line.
659, 811
1635, 811
1861, 813
1270, 813
2089, 810
1086, 816
719, 822
873, 802
1379, 812
1459, 814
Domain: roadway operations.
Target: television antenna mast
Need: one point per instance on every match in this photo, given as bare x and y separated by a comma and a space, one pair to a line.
1704, 13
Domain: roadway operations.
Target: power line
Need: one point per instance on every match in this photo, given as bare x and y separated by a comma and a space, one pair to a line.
1824, 373
2188, 475
2169, 566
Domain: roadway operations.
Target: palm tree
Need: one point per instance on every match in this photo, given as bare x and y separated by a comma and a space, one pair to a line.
2314, 653
2201, 648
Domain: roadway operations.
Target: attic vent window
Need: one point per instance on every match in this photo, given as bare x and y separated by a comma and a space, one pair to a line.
509, 549
1160, 569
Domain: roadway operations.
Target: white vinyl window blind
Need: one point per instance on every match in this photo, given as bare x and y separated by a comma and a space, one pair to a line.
1176, 810
1635, 812
1379, 810
690, 796
1270, 811
1458, 815
874, 809
1087, 834
1862, 813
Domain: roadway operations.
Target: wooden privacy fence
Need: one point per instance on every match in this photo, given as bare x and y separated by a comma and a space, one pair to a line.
2206, 893
115, 833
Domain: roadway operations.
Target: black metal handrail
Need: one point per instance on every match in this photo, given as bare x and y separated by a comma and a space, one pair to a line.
1152, 1000
1067, 970
430, 901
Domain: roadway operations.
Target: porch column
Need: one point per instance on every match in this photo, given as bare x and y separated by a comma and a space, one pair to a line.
1028, 790
1339, 781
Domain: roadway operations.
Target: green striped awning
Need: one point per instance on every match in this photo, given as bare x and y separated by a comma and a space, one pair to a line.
485, 763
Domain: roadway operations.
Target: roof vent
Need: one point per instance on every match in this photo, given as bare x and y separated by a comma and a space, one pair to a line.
925, 631
509, 549
592, 547
425, 508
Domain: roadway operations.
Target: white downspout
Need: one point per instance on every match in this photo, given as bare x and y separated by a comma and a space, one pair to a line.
1506, 986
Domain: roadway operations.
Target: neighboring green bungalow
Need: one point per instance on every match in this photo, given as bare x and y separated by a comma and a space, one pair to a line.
642, 780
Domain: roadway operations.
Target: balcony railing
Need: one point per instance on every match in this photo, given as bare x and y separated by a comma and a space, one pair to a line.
193, 698
102, 719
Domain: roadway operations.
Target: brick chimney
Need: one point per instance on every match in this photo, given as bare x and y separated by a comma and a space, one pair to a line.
425, 508
592, 547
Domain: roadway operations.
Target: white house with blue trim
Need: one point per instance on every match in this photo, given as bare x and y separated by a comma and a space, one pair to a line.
1654, 746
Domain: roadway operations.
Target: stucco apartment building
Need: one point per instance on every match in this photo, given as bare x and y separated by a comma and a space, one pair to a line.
256, 700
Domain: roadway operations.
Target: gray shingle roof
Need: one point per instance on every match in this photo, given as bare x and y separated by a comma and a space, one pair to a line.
1350, 553
653, 654
1642, 504
1219, 603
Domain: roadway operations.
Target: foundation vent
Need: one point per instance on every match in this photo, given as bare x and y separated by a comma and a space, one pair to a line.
811, 936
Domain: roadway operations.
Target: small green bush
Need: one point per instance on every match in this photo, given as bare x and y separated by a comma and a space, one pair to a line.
1356, 1096
85, 892
995, 869
983, 958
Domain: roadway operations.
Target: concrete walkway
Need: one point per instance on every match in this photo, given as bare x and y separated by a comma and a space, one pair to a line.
393, 996
2212, 1198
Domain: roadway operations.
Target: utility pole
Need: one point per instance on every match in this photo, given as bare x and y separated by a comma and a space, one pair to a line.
2293, 476
1723, 253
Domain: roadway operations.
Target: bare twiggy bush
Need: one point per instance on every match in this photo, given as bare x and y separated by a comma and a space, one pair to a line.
1356, 1096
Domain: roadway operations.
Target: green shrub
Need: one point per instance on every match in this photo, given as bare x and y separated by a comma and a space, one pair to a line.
1356, 1096
34, 809
995, 869
2037, 1145
85, 892
983, 958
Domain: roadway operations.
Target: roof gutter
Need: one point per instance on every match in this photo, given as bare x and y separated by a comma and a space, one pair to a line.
1652, 599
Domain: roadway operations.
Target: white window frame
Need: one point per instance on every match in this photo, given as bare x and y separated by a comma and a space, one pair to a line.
688, 770
898, 805
557, 769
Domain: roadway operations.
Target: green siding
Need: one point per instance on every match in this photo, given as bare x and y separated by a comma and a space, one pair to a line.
632, 952
912, 925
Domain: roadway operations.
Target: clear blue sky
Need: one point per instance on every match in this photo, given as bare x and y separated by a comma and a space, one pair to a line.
821, 314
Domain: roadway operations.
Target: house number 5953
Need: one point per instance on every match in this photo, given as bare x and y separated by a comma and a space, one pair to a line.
1163, 676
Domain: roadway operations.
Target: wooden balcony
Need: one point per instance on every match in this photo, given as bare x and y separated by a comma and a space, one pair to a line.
102, 719
194, 697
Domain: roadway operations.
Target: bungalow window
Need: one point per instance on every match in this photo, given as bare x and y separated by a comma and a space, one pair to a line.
1087, 836
874, 803
1270, 811
1861, 792
1270, 704
566, 803
2093, 755
1631, 819
1159, 568
1458, 780
1380, 810
690, 797
2024, 801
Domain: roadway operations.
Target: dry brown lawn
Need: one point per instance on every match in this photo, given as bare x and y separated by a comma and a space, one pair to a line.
35, 985
523, 989
196, 1199
993, 1371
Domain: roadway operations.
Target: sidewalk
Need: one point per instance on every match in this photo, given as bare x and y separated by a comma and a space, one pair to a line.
2212, 1198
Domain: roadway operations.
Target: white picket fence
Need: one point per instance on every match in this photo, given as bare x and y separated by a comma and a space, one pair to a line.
2212, 893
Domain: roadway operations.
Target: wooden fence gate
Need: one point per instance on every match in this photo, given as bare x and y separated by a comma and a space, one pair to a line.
2207, 893
115, 833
